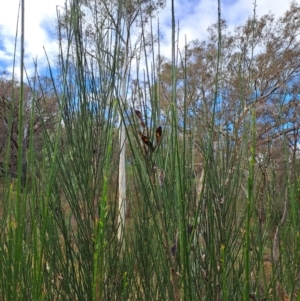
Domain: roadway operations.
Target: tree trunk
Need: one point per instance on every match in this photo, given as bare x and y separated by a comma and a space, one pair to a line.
122, 182
122, 138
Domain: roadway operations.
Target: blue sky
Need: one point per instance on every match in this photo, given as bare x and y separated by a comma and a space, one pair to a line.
194, 17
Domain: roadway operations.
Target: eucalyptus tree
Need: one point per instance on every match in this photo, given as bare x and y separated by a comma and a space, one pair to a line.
259, 72
260, 69
40, 114
129, 20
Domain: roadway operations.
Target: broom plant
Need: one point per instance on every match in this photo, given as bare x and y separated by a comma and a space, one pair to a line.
186, 233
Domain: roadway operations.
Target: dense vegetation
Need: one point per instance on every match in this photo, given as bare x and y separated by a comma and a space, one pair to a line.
131, 176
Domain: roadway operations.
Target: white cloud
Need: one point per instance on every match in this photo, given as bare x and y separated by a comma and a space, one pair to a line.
194, 16
39, 32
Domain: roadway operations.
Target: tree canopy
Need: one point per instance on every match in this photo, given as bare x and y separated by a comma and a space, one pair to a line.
259, 70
